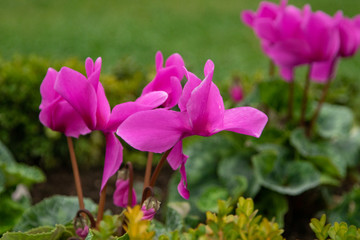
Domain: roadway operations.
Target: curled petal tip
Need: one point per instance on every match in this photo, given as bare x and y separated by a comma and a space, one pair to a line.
209, 67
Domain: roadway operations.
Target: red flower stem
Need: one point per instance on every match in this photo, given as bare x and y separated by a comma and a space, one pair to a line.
305, 97
148, 170
131, 182
158, 168
101, 206
271, 69
291, 100
318, 108
76, 173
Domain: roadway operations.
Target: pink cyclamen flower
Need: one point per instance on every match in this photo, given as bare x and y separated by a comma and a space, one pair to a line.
121, 194
236, 93
293, 37
82, 232
56, 113
202, 113
167, 78
349, 35
76, 105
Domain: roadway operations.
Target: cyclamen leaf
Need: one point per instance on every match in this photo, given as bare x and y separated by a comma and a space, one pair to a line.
334, 121
56, 233
286, 177
54, 210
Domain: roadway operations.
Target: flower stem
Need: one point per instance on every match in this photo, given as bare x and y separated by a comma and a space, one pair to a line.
101, 206
76, 173
305, 97
291, 100
148, 170
318, 108
147, 192
271, 69
158, 168
131, 182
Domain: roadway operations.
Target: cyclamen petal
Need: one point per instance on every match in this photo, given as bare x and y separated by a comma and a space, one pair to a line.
244, 120
60, 116
182, 186
120, 197
79, 93
113, 157
167, 78
205, 107
176, 156
148, 213
48, 94
122, 111
153, 130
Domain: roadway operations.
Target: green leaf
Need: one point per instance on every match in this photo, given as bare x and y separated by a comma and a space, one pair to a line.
5, 155
318, 151
208, 201
10, 212
233, 170
174, 220
285, 177
51, 211
278, 202
22, 173
56, 233
334, 121
348, 210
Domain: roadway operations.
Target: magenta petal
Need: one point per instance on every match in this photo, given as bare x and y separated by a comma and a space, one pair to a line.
205, 106
48, 94
103, 109
182, 186
209, 69
322, 72
122, 111
176, 156
192, 82
287, 73
89, 66
60, 116
248, 17
113, 157
159, 61
153, 130
148, 213
79, 92
175, 60
121, 194
153, 99
244, 120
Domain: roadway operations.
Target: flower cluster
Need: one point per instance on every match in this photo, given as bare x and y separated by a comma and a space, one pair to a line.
76, 105
291, 37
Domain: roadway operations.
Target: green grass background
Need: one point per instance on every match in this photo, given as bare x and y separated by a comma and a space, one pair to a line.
113, 29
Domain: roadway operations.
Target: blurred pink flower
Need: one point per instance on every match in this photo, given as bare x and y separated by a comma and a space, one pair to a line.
236, 93
202, 113
293, 37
